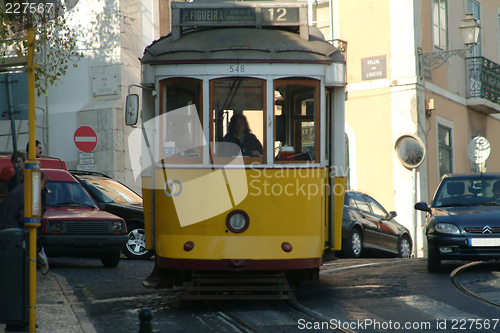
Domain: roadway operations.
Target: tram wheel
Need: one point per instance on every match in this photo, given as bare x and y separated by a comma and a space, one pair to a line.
433, 264
354, 245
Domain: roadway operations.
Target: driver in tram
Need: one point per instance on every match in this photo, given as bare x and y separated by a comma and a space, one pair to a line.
240, 134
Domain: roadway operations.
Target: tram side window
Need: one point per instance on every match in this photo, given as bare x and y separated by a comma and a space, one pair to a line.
181, 130
237, 113
296, 119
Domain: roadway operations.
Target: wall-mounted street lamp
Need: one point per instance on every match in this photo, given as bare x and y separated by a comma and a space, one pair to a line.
470, 33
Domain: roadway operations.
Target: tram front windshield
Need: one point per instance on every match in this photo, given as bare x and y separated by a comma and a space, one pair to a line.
238, 111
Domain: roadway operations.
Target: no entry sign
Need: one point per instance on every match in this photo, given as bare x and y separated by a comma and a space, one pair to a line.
85, 139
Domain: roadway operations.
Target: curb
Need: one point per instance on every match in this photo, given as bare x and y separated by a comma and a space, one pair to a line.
80, 313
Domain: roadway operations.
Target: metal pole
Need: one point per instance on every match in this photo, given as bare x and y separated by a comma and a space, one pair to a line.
13, 128
330, 5
46, 129
415, 217
32, 205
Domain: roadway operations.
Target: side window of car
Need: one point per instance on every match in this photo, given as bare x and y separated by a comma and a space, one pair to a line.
349, 201
376, 207
361, 202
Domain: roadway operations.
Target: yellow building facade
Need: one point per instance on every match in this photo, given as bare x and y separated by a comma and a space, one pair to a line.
394, 89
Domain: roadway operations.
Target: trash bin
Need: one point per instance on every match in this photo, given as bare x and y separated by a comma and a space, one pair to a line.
14, 277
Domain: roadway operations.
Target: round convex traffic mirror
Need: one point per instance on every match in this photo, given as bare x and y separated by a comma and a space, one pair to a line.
410, 150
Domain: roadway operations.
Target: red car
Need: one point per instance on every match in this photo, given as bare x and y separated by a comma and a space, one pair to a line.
73, 225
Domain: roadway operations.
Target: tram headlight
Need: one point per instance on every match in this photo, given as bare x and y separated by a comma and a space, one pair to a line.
237, 221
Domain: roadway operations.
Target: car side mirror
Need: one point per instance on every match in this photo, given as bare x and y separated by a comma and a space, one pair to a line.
422, 206
131, 109
391, 215
101, 205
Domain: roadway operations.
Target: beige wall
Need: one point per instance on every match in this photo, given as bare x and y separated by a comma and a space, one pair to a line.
366, 28
466, 124
369, 115
451, 104
365, 25
489, 20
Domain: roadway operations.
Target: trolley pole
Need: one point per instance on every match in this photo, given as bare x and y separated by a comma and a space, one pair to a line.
32, 193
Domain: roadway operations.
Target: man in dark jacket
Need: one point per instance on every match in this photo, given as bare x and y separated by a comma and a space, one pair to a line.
20, 163
12, 216
12, 209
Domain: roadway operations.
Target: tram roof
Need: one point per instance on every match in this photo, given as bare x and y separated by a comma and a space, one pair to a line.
222, 45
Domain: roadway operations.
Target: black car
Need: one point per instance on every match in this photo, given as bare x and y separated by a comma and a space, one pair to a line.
366, 224
116, 198
463, 219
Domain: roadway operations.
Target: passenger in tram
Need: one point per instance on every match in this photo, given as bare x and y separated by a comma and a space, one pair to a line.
239, 133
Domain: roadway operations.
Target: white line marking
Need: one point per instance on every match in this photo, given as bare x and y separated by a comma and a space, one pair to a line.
326, 271
435, 309
85, 139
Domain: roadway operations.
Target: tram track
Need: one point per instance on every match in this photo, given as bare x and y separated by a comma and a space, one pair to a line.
231, 318
455, 281
315, 316
244, 326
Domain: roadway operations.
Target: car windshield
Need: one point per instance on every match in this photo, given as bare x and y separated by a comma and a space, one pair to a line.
67, 194
109, 190
473, 191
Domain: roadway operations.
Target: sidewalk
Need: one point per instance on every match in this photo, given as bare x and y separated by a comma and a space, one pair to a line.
58, 309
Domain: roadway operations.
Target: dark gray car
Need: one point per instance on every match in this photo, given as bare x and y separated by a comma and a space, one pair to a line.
463, 219
114, 197
366, 224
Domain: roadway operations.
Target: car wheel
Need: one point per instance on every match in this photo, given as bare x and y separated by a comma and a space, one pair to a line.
354, 244
404, 248
110, 260
136, 245
433, 264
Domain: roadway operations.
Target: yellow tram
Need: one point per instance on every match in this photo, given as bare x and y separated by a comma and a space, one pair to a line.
218, 206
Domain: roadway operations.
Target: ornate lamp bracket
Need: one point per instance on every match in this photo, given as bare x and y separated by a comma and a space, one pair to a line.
433, 60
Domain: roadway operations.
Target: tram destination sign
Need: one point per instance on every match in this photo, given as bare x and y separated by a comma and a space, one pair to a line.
237, 16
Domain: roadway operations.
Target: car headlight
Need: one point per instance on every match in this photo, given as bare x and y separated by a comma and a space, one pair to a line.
56, 226
237, 221
447, 228
117, 226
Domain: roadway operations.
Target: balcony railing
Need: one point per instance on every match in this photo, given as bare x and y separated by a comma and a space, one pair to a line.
484, 81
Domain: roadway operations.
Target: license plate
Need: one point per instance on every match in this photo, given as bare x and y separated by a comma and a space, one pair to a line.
88, 242
483, 242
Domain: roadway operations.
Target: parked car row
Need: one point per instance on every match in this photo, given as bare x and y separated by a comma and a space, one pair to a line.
91, 214
462, 222
87, 214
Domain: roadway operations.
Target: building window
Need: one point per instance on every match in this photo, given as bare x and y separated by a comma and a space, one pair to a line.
475, 8
440, 23
445, 150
